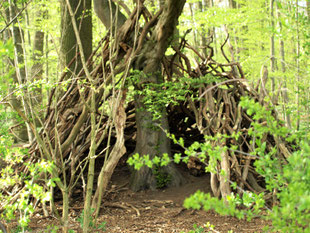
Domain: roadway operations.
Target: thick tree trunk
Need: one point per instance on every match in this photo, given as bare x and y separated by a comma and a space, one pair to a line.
150, 138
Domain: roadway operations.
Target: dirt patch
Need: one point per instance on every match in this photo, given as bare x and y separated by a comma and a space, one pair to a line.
151, 211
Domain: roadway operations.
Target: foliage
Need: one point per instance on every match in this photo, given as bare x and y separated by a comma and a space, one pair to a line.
157, 96
290, 179
92, 225
23, 207
162, 178
293, 212
197, 229
13, 156
52, 229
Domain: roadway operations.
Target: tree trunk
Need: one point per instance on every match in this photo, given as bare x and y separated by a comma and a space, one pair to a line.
298, 66
195, 32
150, 138
69, 48
91, 165
234, 36
225, 178
203, 43
23, 133
286, 114
65, 210
272, 53
308, 9
37, 67
107, 11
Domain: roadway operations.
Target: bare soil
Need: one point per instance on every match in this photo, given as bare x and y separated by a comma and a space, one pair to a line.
150, 211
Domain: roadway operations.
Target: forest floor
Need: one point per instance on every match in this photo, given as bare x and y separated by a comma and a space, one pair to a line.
150, 211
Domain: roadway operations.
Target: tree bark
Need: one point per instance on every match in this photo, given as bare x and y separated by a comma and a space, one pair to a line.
117, 152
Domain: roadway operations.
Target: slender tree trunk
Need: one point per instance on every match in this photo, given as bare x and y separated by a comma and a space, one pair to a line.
20, 132
286, 114
37, 67
195, 32
47, 62
119, 149
202, 8
298, 67
24, 132
272, 52
91, 165
214, 33
65, 210
232, 4
233, 36
115, 20
308, 9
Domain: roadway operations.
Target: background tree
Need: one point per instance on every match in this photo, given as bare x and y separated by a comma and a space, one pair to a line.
69, 49
36, 71
23, 132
